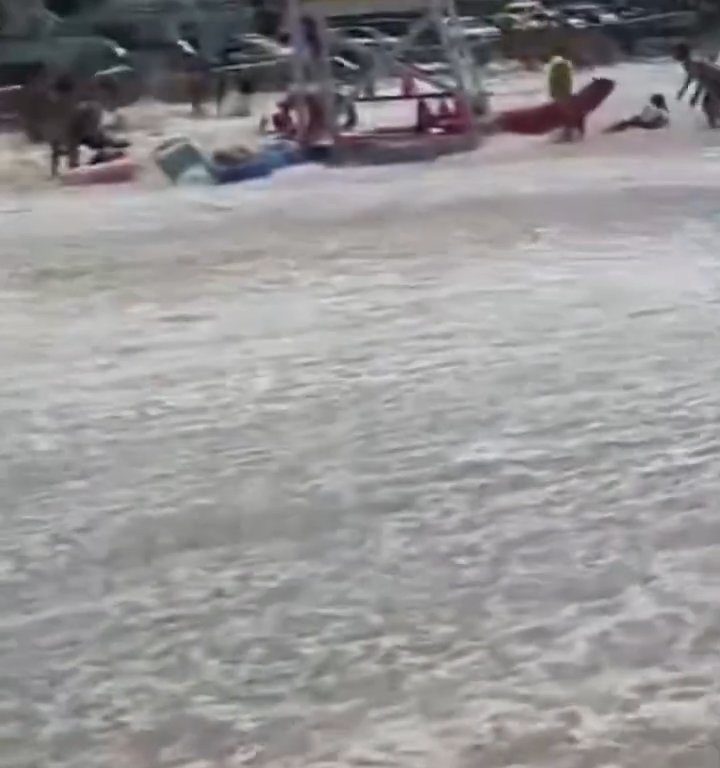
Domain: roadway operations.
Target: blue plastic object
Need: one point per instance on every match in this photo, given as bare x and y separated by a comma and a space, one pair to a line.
257, 168
281, 154
272, 157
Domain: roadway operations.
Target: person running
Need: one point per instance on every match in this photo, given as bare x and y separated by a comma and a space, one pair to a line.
706, 76
560, 85
654, 115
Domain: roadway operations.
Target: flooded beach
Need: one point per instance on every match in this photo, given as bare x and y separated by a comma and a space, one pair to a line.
412, 466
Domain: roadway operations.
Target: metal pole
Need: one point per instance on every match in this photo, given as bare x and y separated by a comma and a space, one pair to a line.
327, 83
451, 51
297, 66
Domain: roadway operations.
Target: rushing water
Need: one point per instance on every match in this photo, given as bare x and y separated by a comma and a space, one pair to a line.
396, 467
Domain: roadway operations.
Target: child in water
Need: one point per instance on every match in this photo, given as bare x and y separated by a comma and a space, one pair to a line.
654, 115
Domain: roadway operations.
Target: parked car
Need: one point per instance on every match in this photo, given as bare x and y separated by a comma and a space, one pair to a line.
151, 47
541, 20
476, 30
263, 60
252, 48
625, 11
517, 14
163, 55
23, 58
590, 13
394, 25
368, 36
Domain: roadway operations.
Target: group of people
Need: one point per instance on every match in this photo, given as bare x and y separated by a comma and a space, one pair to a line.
69, 115
701, 73
74, 116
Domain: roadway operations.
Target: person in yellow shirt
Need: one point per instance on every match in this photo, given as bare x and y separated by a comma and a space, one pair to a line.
560, 84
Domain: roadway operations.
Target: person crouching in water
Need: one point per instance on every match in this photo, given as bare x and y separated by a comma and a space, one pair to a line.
74, 123
560, 86
706, 76
654, 115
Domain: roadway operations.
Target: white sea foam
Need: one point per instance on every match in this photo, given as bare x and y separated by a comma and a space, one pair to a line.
376, 467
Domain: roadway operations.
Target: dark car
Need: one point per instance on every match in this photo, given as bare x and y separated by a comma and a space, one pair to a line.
21, 59
262, 60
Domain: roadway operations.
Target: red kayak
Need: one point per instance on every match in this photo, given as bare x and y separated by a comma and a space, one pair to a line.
112, 172
534, 121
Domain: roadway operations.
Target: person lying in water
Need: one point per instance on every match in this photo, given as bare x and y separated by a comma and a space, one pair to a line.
654, 115
73, 124
706, 77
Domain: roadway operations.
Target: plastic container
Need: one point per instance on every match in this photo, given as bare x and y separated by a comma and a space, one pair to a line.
178, 157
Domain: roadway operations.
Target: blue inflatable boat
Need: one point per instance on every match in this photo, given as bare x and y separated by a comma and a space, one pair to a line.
177, 157
256, 168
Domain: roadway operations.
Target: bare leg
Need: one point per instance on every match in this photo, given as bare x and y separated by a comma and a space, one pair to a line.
566, 135
580, 127
55, 154
623, 125
220, 92
710, 107
73, 154
619, 127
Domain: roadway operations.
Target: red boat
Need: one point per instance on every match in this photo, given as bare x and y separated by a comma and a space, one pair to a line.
112, 172
534, 121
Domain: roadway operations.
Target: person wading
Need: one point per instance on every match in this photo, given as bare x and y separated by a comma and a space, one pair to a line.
706, 76
72, 123
560, 86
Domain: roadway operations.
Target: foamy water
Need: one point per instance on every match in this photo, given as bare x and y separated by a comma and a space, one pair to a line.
387, 467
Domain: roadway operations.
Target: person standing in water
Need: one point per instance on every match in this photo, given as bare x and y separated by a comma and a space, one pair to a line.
706, 76
560, 85
72, 123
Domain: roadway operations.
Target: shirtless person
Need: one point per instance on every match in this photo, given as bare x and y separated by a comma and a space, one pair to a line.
706, 76
72, 123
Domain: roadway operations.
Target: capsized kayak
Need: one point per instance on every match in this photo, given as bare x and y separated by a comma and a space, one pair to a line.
535, 121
